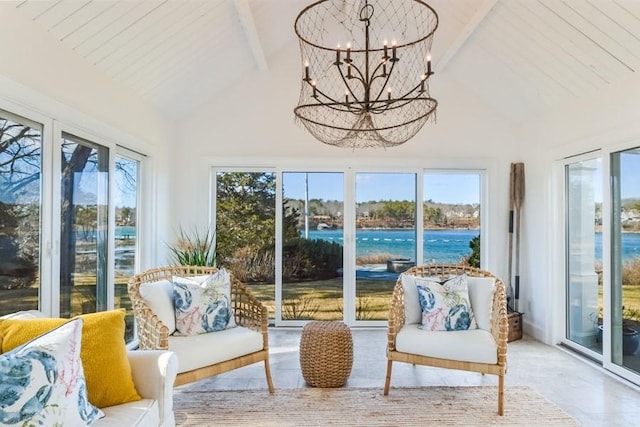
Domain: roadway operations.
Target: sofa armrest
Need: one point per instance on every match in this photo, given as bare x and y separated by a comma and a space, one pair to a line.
154, 372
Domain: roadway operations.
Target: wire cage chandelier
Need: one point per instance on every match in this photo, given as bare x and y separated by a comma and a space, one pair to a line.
366, 70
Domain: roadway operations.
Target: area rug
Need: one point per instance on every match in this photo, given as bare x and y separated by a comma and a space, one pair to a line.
438, 406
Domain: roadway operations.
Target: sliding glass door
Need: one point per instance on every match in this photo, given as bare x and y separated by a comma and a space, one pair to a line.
451, 217
602, 246
312, 246
20, 211
625, 259
385, 243
583, 180
84, 230
245, 218
127, 232
330, 245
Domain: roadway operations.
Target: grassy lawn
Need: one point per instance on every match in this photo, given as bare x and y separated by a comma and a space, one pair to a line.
630, 301
319, 300
322, 300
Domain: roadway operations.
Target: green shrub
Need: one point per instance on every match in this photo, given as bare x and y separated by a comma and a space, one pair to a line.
305, 259
474, 258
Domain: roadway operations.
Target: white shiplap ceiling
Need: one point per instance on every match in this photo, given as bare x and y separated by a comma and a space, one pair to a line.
524, 57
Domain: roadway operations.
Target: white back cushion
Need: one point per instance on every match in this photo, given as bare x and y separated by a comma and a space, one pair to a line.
481, 296
159, 297
412, 310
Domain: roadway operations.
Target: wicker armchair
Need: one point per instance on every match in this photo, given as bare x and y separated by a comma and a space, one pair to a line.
249, 313
498, 329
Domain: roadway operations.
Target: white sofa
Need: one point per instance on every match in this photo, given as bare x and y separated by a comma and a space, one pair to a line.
154, 372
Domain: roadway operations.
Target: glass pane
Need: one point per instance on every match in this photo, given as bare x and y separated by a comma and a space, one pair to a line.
83, 235
625, 295
126, 249
245, 230
584, 287
385, 238
312, 285
451, 218
20, 167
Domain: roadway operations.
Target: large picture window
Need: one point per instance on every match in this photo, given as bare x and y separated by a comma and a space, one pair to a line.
84, 230
127, 242
20, 212
602, 247
333, 246
71, 250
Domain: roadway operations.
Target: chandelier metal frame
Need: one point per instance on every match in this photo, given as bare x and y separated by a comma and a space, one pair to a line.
368, 112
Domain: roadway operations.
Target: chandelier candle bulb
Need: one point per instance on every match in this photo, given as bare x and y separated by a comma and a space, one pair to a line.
348, 53
306, 71
386, 50
338, 55
429, 65
393, 51
349, 70
422, 79
389, 94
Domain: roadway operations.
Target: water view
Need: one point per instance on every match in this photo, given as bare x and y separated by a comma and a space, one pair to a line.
440, 246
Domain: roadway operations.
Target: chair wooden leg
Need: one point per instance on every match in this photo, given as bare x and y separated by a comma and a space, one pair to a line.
267, 370
388, 379
500, 394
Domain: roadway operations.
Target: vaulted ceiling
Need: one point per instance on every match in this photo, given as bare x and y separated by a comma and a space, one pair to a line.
524, 57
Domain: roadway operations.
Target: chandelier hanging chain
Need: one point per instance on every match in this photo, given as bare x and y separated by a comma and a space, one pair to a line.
359, 96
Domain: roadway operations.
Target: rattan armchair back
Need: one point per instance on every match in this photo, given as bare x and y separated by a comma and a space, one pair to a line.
153, 334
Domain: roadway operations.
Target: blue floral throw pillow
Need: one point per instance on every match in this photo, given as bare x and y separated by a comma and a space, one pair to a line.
445, 305
203, 304
42, 382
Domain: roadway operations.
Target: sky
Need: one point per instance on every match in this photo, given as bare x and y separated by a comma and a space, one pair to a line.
443, 188
629, 172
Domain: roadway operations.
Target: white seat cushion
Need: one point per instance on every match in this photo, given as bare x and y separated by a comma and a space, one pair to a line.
476, 345
197, 351
142, 413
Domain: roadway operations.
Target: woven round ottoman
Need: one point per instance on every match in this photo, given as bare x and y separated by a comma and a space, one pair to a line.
326, 353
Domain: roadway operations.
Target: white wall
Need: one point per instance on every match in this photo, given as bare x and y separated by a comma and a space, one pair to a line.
610, 119
252, 123
38, 75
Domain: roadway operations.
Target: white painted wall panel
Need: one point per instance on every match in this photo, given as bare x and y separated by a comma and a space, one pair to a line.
608, 119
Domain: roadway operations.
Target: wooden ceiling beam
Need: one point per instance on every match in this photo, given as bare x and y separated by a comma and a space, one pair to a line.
250, 31
481, 13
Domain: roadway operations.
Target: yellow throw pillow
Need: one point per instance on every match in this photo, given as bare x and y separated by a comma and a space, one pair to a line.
103, 352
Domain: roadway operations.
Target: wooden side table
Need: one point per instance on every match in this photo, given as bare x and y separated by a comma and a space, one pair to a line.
326, 353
